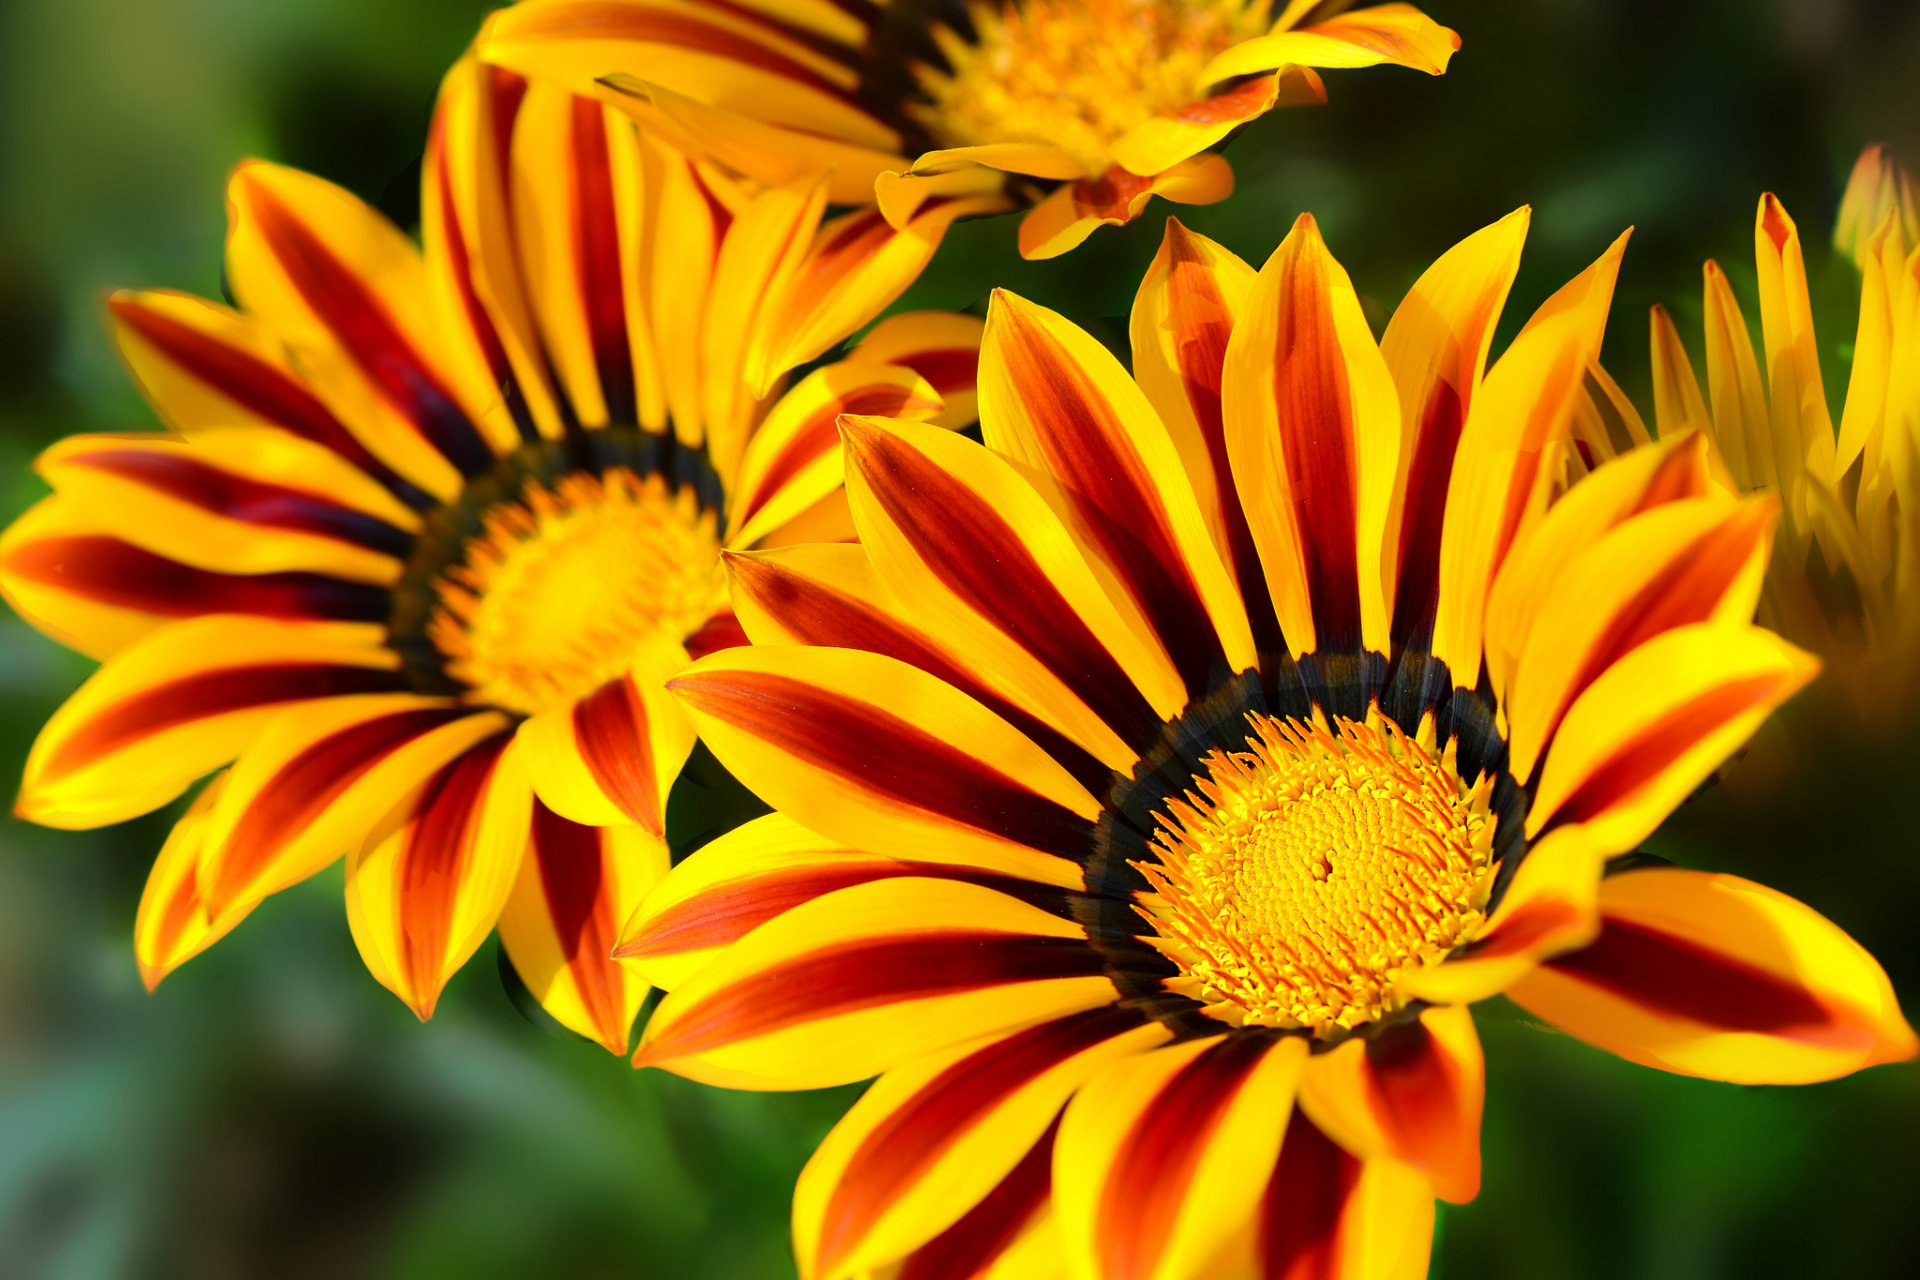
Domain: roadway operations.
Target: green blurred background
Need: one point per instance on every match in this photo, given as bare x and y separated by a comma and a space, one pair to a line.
273, 1111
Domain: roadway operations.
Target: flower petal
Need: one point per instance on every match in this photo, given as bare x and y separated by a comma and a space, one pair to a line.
1057, 402
1162, 1157
317, 780
836, 739
1113, 199
931, 1139
1385, 33
1163, 140
1012, 1234
969, 547
1657, 723
941, 346
423, 896
172, 926
610, 757
577, 884
1413, 1092
1436, 349
1313, 431
1712, 975
862, 980
181, 703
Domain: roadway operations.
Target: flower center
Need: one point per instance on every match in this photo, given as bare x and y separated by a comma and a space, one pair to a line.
563, 585
1300, 877
1075, 74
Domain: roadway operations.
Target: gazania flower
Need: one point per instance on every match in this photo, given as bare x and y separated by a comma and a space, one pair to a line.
1158, 784
1082, 109
1845, 579
436, 528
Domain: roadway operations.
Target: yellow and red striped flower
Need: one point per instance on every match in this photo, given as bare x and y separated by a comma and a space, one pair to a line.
1158, 784
1845, 577
435, 528
1082, 109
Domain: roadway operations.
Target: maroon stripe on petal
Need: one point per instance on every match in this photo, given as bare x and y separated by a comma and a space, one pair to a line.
1117, 499
1416, 596
365, 329
597, 273
945, 369
1672, 976
815, 616
258, 388
111, 572
1642, 758
821, 433
964, 1250
921, 1131
206, 694
572, 876
434, 863
889, 756
260, 502
610, 726
854, 976
311, 781
1299, 1229
1316, 439
973, 552
1157, 1160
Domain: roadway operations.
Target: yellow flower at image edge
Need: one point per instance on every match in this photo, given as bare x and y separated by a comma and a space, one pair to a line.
435, 529
1845, 576
1158, 784
1082, 109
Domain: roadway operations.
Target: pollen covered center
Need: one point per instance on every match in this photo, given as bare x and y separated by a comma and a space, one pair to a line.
1075, 74
564, 585
1299, 878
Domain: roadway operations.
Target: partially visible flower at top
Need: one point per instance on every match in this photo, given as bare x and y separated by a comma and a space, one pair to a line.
436, 528
1083, 109
1845, 577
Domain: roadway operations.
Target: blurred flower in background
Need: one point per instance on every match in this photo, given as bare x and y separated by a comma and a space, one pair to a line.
1083, 109
1845, 579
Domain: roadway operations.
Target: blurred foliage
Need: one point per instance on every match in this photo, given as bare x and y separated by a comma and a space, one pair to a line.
273, 1111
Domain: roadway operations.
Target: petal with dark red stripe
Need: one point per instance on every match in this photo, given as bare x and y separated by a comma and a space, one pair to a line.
932, 1139
1327, 1215
865, 979
1715, 976
245, 501
172, 926
1436, 348
1700, 560
1057, 402
842, 741
941, 346
1313, 434
1412, 1091
1012, 1234
1657, 723
793, 459
1169, 137
1669, 470
828, 594
1183, 316
968, 545
348, 292
1076, 210
205, 367
183, 702
577, 885
69, 574
1161, 1157
422, 897
611, 756
318, 780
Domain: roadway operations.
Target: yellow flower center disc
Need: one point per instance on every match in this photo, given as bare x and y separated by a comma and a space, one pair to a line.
1301, 876
562, 587
1075, 74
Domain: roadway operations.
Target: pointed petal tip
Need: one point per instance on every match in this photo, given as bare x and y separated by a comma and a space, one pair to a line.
151, 975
